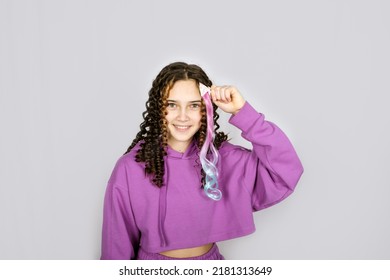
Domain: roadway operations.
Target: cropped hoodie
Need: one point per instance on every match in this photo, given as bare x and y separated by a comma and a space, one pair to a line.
179, 214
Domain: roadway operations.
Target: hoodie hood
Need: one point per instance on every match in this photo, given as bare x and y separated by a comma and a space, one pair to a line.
191, 152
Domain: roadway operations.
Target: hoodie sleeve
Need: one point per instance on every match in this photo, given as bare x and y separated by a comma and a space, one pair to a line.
272, 168
120, 235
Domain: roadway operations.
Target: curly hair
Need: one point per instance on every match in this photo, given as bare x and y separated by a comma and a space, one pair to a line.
153, 134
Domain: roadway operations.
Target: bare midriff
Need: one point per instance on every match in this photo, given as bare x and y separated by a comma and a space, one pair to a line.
188, 252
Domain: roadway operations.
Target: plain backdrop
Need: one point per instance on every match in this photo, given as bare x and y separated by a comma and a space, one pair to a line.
74, 77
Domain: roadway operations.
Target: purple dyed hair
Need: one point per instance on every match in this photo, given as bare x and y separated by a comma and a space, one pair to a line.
209, 162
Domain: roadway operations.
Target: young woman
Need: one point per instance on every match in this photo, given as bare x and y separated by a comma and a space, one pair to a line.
175, 192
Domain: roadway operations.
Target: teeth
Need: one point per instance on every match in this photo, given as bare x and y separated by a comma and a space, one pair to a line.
182, 127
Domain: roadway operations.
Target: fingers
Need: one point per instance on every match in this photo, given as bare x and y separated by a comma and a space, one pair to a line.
227, 98
222, 93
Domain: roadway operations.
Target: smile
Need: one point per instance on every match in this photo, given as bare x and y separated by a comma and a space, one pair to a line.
182, 127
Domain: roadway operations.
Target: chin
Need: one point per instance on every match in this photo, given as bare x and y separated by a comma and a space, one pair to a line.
181, 138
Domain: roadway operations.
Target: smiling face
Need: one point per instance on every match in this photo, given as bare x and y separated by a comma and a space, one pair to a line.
184, 115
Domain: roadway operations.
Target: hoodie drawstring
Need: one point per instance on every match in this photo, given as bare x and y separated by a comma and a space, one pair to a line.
162, 210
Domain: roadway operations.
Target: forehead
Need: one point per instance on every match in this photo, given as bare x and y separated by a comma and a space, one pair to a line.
185, 90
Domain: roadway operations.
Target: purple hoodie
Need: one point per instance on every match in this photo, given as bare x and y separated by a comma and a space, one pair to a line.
180, 215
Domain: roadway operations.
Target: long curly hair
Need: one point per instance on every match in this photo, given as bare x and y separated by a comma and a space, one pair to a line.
153, 134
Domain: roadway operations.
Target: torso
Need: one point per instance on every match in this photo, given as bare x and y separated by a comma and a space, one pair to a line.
187, 205
188, 252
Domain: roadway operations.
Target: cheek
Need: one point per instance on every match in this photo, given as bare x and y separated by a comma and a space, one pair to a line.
196, 115
198, 118
169, 116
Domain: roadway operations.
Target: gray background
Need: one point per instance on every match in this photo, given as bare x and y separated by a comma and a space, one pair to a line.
74, 77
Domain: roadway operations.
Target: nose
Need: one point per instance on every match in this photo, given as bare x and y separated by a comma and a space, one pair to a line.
183, 114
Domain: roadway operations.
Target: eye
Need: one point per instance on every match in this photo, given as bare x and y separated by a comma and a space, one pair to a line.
171, 105
195, 106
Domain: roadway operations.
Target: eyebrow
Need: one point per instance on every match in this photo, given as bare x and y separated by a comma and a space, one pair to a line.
194, 101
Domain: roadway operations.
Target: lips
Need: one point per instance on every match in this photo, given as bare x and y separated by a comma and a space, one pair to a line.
182, 127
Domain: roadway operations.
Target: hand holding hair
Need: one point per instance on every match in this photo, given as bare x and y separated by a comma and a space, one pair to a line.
227, 98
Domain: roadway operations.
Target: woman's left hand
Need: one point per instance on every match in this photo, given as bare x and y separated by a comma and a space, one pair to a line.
227, 98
